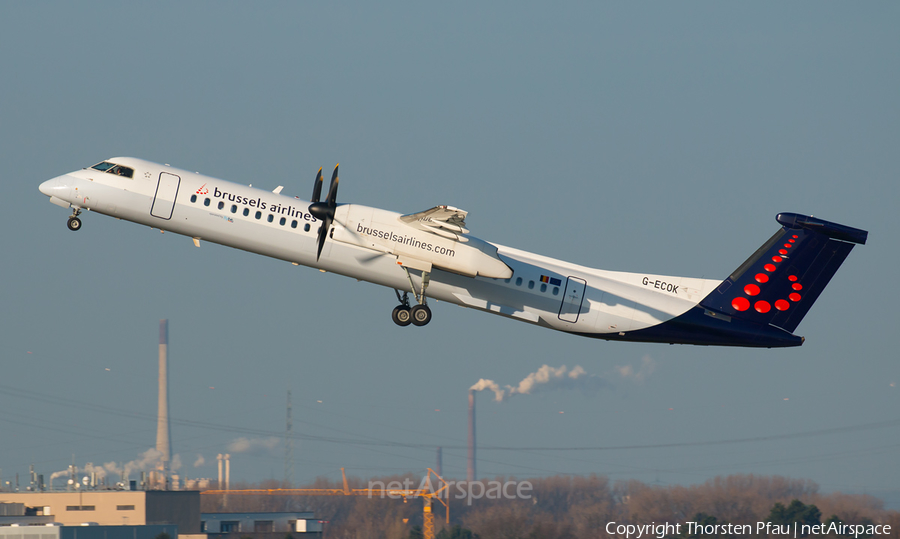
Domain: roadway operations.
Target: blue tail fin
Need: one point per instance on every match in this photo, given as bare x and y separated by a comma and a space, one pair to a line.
780, 282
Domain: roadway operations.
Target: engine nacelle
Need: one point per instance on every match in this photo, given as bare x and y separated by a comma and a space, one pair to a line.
383, 231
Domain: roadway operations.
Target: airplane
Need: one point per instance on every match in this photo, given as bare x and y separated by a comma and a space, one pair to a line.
431, 255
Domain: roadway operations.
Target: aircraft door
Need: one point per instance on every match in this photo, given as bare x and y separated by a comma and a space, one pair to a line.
164, 199
572, 299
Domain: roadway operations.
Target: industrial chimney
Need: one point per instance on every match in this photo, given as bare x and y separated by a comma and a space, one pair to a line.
470, 467
163, 433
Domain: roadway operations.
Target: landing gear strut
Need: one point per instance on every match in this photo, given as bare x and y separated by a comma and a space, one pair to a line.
419, 314
74, 222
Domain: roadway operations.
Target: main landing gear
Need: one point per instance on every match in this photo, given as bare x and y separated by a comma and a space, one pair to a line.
417, 315
74, 222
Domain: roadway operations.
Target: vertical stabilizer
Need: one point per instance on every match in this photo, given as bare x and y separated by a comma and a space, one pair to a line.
779, 283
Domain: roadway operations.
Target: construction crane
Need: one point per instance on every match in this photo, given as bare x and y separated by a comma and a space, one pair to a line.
428, 492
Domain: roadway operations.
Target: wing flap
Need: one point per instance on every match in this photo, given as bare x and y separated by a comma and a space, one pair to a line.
445, 221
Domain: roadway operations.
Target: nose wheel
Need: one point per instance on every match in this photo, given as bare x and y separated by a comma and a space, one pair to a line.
74, 222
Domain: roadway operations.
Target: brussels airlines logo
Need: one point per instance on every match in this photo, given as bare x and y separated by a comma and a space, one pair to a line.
203, 190
404, 240
258, 204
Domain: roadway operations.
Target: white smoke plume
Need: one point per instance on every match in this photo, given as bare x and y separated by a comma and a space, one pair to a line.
98, 471
546, 378
550, 378
88, 469
642, 373
200, 461
54, 475
253, 445
148, 461
492, 385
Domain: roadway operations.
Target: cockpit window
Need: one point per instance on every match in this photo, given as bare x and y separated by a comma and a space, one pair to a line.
112, 168
119, 170
104, 166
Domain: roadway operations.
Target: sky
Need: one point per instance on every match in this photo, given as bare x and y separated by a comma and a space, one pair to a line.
646, 137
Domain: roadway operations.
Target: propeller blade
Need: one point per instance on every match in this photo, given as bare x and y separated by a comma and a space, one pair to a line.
323, 233
317, 187
332, 190
324, 210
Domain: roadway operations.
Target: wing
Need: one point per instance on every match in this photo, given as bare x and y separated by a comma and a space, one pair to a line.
444, 221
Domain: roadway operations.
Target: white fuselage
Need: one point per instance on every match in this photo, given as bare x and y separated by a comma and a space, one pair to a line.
369, 244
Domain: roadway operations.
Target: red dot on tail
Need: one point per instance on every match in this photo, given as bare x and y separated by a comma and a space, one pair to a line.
762, 306
740, 304
782, 305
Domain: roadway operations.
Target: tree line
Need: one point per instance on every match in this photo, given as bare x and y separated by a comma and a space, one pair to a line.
574, 507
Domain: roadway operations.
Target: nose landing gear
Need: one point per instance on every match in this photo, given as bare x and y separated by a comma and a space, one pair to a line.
74, 222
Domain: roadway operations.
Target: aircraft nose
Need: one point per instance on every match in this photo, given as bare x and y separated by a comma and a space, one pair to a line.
58, 187
47, 187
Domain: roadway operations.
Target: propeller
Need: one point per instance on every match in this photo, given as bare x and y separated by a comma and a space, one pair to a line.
324, 211
317, 187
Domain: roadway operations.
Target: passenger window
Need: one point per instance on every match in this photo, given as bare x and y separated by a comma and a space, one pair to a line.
206, 202
530, 285
543, 287
246, 212
270, 218
518, 281
282, 221
555, 290
193, 198
234, 208
258, 214
306, 227
221, 204
294, 224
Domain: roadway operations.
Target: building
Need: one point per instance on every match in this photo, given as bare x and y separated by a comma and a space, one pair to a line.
15, 513
259, 525
113, 508
50, 531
